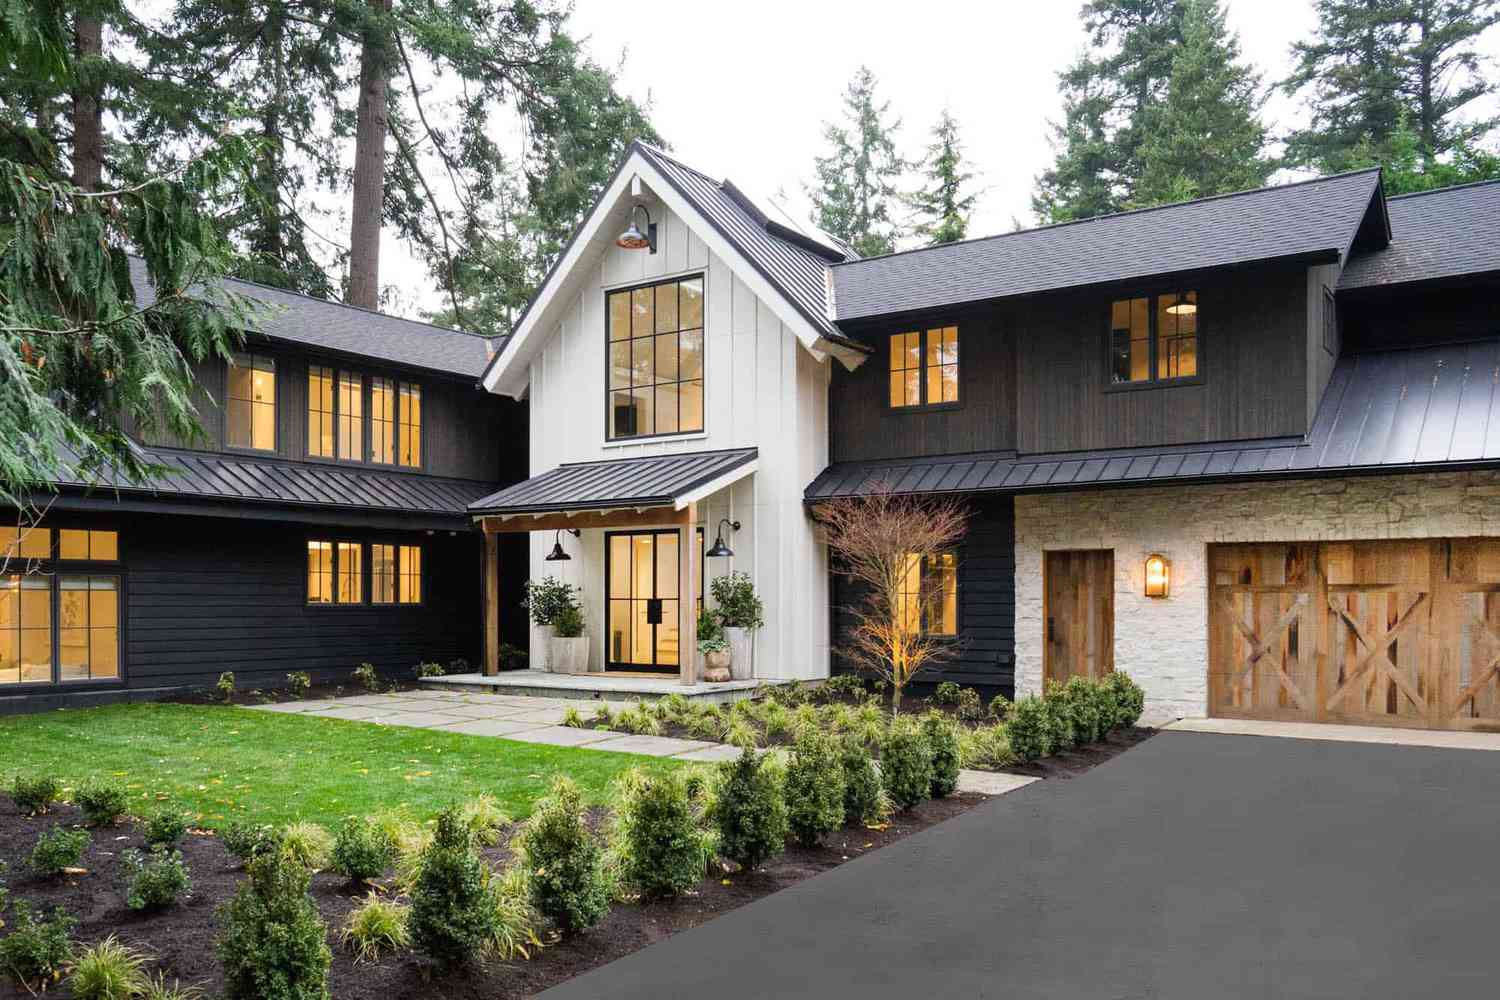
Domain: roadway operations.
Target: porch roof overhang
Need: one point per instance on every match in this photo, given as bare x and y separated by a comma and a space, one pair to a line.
581, 493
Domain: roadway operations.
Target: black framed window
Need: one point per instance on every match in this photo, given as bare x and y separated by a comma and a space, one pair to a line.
1153, 338
1330, 322
355, 418
655, 377
250, 419
321, 429
395, 573
410, 445
60, 610
929, 593
382, 421
351, 417
923, 366
335, 572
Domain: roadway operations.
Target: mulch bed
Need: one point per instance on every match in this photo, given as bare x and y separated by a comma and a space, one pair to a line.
278, 695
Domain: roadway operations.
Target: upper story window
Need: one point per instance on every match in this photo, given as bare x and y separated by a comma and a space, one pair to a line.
924, 367
1330, 322
655, 336
252, 402
336, 409
1153, 338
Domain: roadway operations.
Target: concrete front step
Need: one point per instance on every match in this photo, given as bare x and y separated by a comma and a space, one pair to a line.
597, 687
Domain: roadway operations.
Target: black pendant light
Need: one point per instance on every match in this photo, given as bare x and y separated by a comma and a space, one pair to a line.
720, 550
557, 554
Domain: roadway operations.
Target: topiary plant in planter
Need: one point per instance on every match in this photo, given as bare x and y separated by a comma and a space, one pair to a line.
570, 647
741, 613
545, 600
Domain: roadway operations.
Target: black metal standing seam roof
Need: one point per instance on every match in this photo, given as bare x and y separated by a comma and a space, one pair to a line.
1434, 234
1312, 217
799, 273
1417, 409
648, 481
248, 479
333, 326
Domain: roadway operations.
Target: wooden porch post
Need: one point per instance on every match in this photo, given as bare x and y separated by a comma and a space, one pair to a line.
687, 601
491, 603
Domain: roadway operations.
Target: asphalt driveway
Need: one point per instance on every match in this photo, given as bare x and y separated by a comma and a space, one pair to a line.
1194, 866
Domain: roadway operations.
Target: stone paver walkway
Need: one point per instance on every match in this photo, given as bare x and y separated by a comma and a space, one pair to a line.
535, 720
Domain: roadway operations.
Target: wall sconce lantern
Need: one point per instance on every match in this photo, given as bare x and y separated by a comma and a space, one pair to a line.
632, 238
719, 549
1158, 575
557, 554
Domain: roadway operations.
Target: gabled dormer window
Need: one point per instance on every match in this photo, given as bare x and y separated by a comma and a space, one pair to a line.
655, 335
924, 368
1153, 338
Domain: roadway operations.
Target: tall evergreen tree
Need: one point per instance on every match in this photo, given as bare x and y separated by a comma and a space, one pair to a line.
1372, 62
1108, 96
1205, 137
857, 181
944, 204
1407, 169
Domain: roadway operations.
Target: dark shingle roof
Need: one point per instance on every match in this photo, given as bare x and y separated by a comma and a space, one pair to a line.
1308, 218
1400, 410
251, 479
796, 265
650, 481
1435, 234
332, 326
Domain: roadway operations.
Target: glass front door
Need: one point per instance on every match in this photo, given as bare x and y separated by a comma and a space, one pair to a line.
641, 631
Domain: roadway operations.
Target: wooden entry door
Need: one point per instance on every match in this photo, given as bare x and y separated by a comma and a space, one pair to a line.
1079, 595
1391, 633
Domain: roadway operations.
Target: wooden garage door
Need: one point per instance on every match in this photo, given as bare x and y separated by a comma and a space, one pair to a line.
1396, 633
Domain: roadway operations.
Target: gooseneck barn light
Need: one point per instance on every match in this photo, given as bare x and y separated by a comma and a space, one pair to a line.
632, 238
719, 549
557, 554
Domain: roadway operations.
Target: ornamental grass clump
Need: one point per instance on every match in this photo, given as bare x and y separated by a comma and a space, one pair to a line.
658, 843
35, 951
515, 931
103, 803
377, 926
58, 850
165, 827
862, 799
34, 796
156, 880
564, 864
906, 763
308, 844
452, 912
362, 850
814, 789
749, 811
272, 944
484, 818
107, 971
942, 743
986, 748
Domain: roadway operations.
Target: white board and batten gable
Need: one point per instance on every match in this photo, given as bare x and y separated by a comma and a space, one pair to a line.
766, 373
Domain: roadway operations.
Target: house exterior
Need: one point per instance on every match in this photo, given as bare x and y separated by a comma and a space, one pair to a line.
1240, 447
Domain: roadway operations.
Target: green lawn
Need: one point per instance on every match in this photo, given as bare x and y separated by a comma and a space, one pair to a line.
237, 764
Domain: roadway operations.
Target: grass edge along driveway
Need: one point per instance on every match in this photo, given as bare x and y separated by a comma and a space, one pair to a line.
227, 764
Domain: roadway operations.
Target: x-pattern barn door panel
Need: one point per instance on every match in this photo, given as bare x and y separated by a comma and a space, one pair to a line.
1403, 633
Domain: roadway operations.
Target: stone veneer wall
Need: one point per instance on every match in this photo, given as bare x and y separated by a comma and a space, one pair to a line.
1163, 644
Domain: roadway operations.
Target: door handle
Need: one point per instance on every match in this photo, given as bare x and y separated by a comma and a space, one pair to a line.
1051, 629
653, 610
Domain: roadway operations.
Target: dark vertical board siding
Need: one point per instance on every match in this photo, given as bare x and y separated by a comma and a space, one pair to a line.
205, 595
1253, 362
863, 426
987, 603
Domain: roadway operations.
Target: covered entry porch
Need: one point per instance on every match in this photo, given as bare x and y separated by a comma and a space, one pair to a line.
628, 534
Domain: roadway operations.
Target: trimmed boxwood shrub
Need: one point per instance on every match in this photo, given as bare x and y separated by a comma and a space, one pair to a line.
1128, 698
103, 803
661, 849
861, 782
814, 788
942, 742
566, 879
273, 944
166, 826
1059, 711
58, 849
906, 763
246, 840
749, 811
1030, 727
362, 850
451, 907
35, 950
1085, 709
35, 795
154, 881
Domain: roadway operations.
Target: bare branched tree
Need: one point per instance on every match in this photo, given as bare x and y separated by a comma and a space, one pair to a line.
881, 543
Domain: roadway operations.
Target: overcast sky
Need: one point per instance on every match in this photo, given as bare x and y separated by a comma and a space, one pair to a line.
741, 90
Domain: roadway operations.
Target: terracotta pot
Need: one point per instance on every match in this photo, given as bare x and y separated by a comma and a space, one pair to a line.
741, 652
570, 655
715, 675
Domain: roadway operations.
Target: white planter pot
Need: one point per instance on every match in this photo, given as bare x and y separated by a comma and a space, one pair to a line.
542, 656
741, 653
570, 656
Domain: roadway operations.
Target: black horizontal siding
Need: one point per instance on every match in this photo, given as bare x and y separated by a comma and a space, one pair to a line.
986, 643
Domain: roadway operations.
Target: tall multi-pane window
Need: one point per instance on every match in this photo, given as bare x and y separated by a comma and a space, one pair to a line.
348, 573
1153, 338
251, 417
382, 421
383, 573
320, 423
410, 443
923, 367
929, 593
655, 337
351, 417
320, 572
411, 574
59, 616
